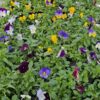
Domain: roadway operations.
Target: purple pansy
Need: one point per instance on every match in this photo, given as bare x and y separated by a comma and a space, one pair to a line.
93, 55
9, 29
3, 38
90, 19
58, 12
91, 30
63, 34
48, 2
10, 48
80, 88
44, 72
61, 53
24, 47
76, 73
3, 12
23, 67
82, 50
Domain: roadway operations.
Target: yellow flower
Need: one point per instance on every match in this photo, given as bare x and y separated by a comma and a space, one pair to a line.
64, 16
11, 8
53, 18
58, 16
49, 50
81, 14
72, 10
28, 6
22, 18
54, 38
92, 34
12, 3
85, 24
31, 16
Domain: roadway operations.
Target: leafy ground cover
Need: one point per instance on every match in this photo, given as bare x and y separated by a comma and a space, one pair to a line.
50, 50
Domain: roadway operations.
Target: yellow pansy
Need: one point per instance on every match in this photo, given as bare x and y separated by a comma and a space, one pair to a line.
92, 34
31, 16
72, 10
81, 14
85, 24
64, 16
12, 3
54, 38
28, 6
53, 18
22, 18
58, 16
49, 50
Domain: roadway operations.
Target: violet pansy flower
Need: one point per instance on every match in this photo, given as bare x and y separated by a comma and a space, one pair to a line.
4, 38
44, 72
24, 47
91, 19
80, 88
82, 50
63, 34
58, 12
93, 55
76, 73
23, 67
48, 3
3, 12
9, 29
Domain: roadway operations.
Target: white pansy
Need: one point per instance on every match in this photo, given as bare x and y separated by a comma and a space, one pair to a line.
37, 22
17, 4
32, 28
19, 37
26, 96
12, 19
40, 94
98, 45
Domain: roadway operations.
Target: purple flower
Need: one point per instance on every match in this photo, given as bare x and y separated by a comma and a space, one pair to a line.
90, 19
80, 88
3, 38
24, 47
58, 12
10, 48
76, 73
63, 34
93, 55
3, 12
48, 2
44, 72
90, 30
82, 50
23, 67
9, 29
61, 53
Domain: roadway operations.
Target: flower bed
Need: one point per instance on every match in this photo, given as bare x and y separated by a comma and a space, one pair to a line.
50, 50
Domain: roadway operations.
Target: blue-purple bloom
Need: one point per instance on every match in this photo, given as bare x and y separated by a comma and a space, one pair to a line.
10, 48
93, 55
3, 38
90, 19
23, 67
44, 72
3, 12
82, 50
61, 53
58, 12
91, 30
48, 2
63, 34
9, 29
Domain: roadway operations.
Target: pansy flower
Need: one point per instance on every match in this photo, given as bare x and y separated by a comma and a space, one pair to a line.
54, 39
28, 6
44, 72
40, 94
24, 47
10, 48
22, 18
91, 19
71, 10
9, 29
76, 73
32, 28
58, 13
49, 50
23, 67
3, 12
4, 38
25, 97
80, 88
14, 3
81, 15
61, 53
12, 19
49, 2
31, 16
63, 34
91, 32
98, 45
19, 37
93, 55
83, 50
